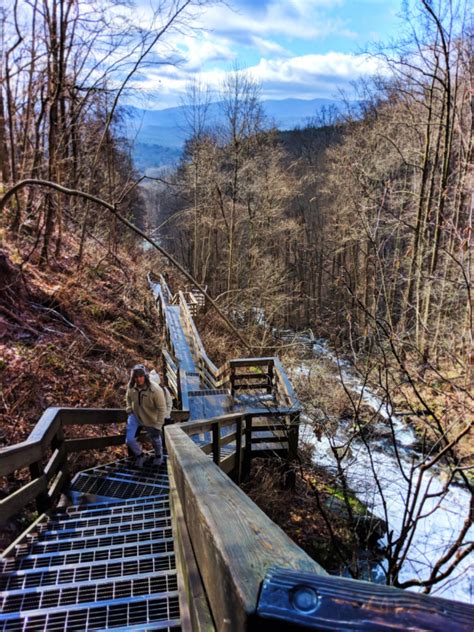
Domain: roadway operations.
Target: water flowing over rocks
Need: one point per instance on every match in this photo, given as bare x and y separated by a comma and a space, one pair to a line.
377, 479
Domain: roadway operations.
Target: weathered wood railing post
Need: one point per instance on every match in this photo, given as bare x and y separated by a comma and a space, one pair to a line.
238, 450
216, 443
292, 433
270, 376
43, 501
59, 443
247, 459
232, 379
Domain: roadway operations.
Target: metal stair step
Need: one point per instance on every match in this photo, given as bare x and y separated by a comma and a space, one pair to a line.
163, 610
95, 542
105, 563
115, 487
144, 628
116, 508
19, 579
147, 469
120, 473
86, 592
146, 520
44, 560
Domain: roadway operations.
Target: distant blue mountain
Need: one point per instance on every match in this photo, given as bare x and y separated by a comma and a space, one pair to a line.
159, 135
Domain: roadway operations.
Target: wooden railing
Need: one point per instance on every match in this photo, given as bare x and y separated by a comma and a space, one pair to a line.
174, 376
248, 435
255, 374
208, 371
239, 569
228, 542
45, 454
46, 450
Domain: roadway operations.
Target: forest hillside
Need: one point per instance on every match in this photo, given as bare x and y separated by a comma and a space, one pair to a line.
345, 247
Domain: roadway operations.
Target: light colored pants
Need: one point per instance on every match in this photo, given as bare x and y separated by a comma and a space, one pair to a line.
155, 436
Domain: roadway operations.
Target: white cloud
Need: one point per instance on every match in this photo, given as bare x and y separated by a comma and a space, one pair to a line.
295, 19
261, 30
269, 47
305, 76
199, 51
301, 69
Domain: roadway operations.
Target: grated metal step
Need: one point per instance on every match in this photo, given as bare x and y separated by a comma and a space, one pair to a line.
107, 510
161, 610
99, 486
113, 506
209, 391
145, 564
146, 520
43, 560
86, 593
128, 475
106, 564
96, 542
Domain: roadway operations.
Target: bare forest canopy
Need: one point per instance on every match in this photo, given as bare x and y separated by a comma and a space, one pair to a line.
358, 226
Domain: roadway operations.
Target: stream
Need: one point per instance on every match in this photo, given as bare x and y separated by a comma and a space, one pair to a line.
442, 515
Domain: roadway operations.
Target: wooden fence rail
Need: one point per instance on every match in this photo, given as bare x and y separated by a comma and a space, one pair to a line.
234, 542
45, 451
241, 572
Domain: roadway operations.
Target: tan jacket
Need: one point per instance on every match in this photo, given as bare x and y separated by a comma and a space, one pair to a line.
155, 377
148, 404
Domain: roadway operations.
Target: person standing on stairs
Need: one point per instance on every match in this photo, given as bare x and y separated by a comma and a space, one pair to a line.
146, 407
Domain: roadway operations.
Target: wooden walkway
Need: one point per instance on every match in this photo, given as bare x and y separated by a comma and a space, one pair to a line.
207, 391
180, 547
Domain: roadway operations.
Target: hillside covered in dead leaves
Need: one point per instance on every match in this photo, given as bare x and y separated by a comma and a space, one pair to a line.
68, 337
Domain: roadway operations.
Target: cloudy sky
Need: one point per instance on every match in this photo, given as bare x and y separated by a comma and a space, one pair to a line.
294, 48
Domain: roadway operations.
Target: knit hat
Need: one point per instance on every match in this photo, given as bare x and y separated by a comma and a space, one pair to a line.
139, 369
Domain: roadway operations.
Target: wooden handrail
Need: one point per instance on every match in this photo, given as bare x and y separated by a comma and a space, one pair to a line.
274, 378
282, 378
168, 296
47, 436
32, 450
48, 479
199, 350
233, 556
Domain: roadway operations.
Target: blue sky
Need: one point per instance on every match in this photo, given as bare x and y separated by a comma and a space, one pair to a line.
293, 48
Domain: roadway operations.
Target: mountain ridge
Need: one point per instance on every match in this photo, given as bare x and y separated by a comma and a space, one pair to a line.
158, 136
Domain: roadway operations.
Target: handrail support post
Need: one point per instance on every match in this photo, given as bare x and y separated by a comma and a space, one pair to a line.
216, 443
247, 460
238, 450
293, 433
43, 501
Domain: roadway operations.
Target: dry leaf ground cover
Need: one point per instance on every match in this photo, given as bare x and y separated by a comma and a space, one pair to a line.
68, 337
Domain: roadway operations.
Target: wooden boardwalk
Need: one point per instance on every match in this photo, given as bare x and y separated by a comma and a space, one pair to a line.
180, 547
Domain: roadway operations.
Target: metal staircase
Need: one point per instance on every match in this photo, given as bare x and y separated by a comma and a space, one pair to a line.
107, 562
